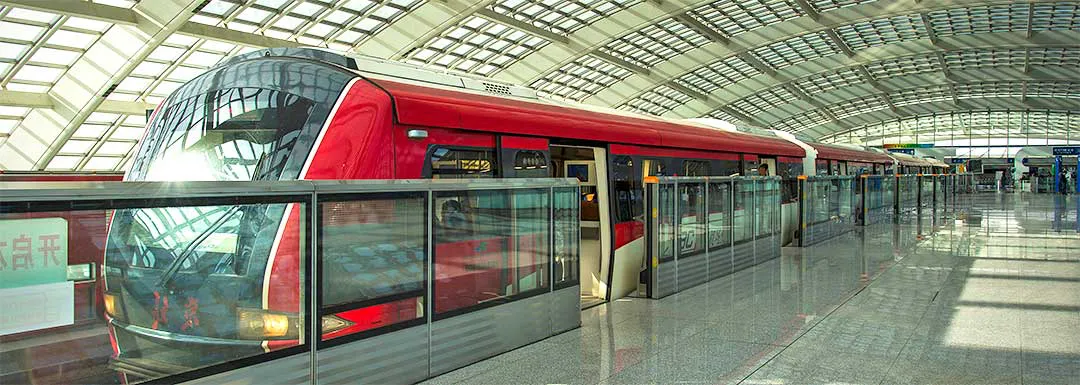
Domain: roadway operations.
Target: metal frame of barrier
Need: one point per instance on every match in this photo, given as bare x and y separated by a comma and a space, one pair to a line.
702, 228
822, 212
395, 353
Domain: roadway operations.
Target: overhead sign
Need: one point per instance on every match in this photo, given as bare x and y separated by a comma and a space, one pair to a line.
890, 146
1072, 150
909, 151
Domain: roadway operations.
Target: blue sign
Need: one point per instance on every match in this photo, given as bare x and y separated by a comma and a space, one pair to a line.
957, 160
1067, 150
909, 151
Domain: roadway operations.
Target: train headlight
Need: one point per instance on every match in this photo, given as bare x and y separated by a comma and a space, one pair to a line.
112, 306
259, 324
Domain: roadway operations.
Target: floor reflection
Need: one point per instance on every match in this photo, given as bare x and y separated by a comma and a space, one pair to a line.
991, 295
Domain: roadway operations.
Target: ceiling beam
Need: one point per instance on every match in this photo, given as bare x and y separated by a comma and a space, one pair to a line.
871, 117
692, 59
84, 9
871, 131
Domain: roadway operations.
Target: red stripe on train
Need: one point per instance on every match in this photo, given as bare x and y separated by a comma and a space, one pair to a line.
626, 232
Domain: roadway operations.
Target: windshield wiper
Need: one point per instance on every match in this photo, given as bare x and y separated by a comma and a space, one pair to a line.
174, 266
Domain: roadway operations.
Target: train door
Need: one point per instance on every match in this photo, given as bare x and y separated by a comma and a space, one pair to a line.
589, 166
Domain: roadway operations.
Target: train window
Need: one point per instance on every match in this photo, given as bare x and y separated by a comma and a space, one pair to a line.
822, 166
80, 273
531, 164
456, 163
697, 168
654, 167
628, 189
750, 167
726, 167
373, 260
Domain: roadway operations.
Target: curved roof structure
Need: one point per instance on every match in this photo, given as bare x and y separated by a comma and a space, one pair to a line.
76, 77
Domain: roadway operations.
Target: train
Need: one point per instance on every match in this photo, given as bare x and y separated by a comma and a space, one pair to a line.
312, 114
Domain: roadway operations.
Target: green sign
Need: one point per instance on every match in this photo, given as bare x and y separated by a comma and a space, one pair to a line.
33, 251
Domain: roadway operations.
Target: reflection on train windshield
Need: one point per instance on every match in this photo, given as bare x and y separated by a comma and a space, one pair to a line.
226, 135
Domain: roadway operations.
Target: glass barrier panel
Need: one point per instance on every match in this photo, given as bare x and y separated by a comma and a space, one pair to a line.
666, 221
691, 218
744, 207
719, 214
532, 234
129, 295
373, 254
567, 235
490, 245
845, 194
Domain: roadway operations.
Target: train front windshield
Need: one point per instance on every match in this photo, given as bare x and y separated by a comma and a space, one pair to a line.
185, 285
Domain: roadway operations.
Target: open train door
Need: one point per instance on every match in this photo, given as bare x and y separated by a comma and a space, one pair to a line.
589, 165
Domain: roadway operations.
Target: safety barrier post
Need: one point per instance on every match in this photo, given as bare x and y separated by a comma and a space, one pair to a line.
802, 210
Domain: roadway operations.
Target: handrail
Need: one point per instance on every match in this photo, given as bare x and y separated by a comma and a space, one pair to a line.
82, 191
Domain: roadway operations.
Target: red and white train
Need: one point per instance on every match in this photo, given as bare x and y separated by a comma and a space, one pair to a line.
309, 114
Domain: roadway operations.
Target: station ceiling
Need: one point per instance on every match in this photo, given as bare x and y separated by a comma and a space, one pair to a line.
76, 77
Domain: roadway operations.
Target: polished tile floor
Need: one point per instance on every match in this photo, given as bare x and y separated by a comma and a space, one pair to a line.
990, 295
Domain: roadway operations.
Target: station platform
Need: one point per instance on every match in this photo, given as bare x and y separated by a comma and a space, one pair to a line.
991, 296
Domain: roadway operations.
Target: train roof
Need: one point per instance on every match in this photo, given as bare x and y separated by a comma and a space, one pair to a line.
824, 151
425, 97
909, 160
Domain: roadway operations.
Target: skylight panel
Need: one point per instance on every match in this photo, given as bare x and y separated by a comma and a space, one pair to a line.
101, 163
719, 74
936, 93
7, 125
34, 73
854, 107
562, 17
829, 81
72, 39
984, 58
11, 50
1055, 16
580, 78
457, 48
20, 31
77, 147
55, 56
966, 21
796, 50
828, 5
1055, 57
655, 43
903, 66
32, 15
63, 163
879, 32
657, 101
735, 17
87, 24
